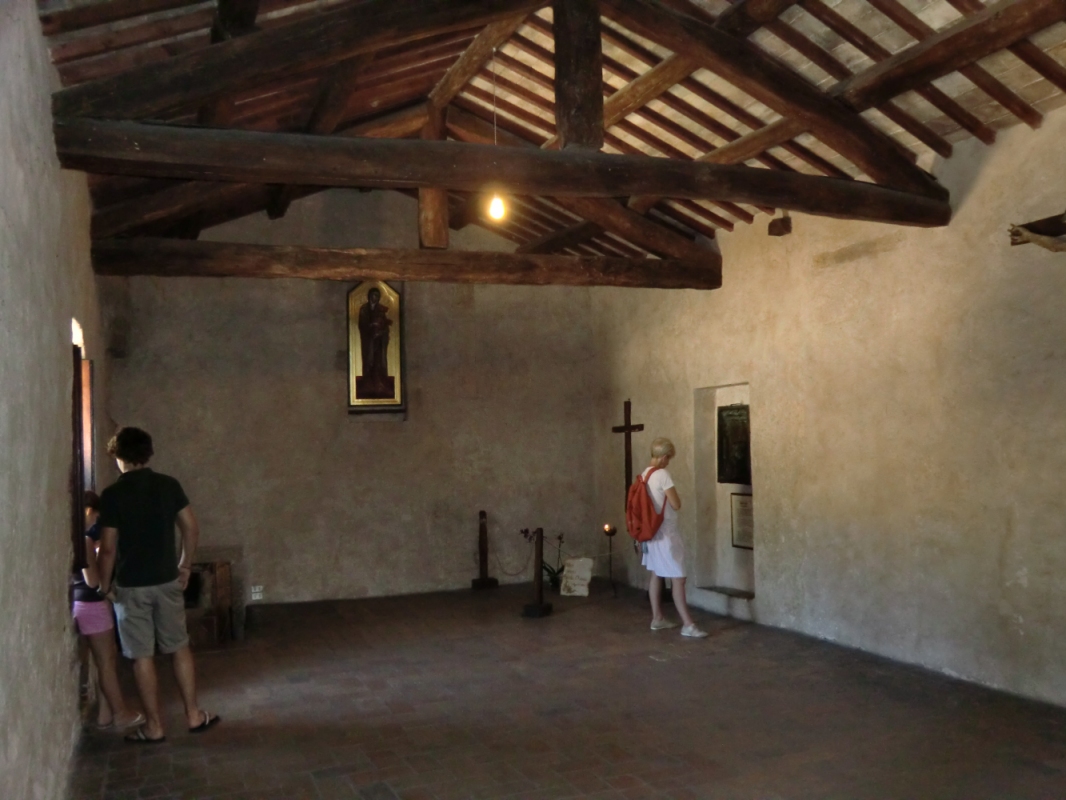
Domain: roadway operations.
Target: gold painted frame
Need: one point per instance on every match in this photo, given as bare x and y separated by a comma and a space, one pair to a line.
376, 363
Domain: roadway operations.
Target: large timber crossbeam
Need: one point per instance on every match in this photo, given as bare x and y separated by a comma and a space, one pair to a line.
177, 258
133, 148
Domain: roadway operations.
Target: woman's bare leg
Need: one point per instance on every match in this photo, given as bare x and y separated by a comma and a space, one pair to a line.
654, 590
112, 704
680, 602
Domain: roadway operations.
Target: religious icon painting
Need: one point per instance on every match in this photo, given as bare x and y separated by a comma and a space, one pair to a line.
375, 349
734, 445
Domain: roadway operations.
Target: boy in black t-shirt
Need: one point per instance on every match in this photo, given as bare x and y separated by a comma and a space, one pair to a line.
138, 514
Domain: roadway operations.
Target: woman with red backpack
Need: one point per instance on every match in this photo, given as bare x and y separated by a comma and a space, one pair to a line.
664, 553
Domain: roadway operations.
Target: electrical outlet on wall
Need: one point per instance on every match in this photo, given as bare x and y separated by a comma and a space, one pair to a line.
257, 592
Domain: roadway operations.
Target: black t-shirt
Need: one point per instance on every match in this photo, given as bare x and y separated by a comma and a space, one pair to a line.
83, 593
143, 506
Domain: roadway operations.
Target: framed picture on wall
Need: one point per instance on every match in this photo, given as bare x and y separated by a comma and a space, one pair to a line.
743, 516
734, 445
376, 369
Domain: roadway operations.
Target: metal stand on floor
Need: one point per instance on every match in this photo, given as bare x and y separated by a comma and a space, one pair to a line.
483, 581
538, 608
610, 531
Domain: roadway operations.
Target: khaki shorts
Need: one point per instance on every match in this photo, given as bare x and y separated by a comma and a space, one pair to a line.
149, 616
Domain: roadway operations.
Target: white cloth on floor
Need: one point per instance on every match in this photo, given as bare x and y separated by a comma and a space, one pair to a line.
664, 553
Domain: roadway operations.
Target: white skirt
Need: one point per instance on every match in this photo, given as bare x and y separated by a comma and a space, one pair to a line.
665, 553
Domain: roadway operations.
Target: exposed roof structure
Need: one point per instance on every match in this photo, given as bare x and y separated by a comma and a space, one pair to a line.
856, 90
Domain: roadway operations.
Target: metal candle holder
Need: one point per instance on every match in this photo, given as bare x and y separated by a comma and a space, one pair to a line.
609, 531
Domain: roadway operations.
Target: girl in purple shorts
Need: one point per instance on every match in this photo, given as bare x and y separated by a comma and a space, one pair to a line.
95, 621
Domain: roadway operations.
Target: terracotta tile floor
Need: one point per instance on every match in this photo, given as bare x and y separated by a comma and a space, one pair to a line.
455, 696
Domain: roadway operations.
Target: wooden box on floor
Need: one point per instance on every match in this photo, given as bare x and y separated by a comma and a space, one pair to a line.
209, 605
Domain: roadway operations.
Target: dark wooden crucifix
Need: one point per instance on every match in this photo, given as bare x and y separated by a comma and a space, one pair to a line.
628, 428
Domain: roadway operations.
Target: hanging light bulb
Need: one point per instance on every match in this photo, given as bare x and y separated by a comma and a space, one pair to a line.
497, 210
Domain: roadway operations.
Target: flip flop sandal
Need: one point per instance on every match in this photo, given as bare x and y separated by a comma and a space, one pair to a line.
136, 722
210, 721
140, 737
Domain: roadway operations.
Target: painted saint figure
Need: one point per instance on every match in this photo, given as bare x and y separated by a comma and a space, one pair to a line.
374, 324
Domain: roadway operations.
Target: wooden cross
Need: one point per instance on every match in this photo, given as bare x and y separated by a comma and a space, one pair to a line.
628, 428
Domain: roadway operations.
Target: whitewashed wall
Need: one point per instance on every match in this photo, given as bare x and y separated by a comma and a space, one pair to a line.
243, 385
908, 401
45, 279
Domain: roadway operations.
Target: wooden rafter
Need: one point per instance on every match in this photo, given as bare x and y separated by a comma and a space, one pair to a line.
562, 239
326, 115
177, 201
233, 18
741, 20
768, 81
998, 26
737, 152
916, 27
608, 214
1024, 49
473, 59
312, 43
171, 258
835, 68
91, 15
866, 44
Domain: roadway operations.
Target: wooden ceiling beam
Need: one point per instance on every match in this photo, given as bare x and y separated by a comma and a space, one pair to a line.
311, 43
175, 258
115, 41
608, 214
174, 202
741, 20
90, 15
835, 68
135, 148
670, 100
433, 200
563, 238
326, 114
1025, 50
770, 82
579, 116
713, 125
868, 45
476, 55
233, 19
743, 149
997, 27
916, 27
745, 17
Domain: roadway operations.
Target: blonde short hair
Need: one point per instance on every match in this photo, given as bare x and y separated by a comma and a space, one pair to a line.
662, 447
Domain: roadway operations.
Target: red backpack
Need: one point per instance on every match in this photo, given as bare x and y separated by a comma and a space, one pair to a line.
642, 521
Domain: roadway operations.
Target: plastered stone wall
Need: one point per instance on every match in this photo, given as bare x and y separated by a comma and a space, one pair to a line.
45, 279
908, 390
243, 385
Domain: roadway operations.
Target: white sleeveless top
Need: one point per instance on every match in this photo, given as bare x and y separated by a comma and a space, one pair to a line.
665, 553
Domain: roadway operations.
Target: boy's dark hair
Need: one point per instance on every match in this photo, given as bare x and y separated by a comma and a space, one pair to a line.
91, 500
132, 445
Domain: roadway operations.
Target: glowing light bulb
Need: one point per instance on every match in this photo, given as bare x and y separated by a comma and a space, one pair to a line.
496, 208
